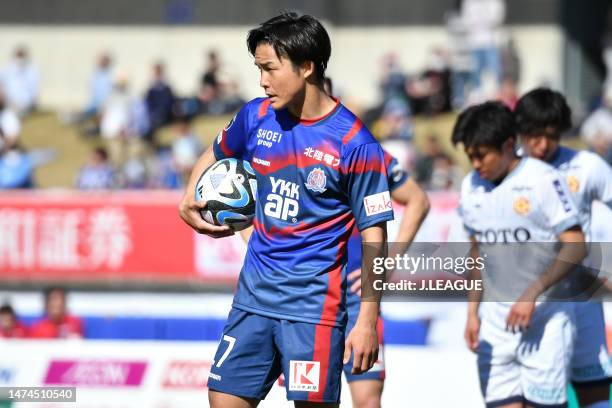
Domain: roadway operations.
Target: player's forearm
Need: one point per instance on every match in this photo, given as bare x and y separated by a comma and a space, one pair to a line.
572, 253
246, 234
474, 296
205, 161
414, 214
375, 238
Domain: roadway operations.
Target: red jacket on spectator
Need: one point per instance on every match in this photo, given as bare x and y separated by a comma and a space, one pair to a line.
69, 326
17, 331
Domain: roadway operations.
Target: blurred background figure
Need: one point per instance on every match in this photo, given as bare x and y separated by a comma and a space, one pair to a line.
434, 169
186, 147
57, 322
10, 125
482, 20
16, 166
394, 122
159, 100
97, 173
124, 121
597, 128
462, 63
100, 87
10, 326
20, 80
607, 49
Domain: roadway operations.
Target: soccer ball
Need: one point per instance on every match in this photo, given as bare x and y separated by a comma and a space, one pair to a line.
230, 189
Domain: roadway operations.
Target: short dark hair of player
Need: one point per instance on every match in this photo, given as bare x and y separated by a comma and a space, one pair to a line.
7, 309
297, 38
540, 109
489, 124
54, 289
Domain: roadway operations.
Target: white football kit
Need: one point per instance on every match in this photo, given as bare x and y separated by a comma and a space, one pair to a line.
588, 178
516, 224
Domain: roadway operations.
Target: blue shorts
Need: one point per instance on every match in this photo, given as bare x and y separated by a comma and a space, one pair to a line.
377, 372
255, 350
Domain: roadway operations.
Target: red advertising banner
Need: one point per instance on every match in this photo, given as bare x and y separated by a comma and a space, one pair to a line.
135, 235
130, 236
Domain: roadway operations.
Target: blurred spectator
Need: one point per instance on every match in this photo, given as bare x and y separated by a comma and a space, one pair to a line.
10, 326
430, 93
16, 166
186, 147
395, 121
97, 173
57, 323
100, 87
211, 72
124, 121
159, 101
607, 49
597, 128
134, 173
510, 61
164, 171
216, 97
20, 81
10, 125
393, 82
434, 169
508, 94
444, 175
482, 19
461, 60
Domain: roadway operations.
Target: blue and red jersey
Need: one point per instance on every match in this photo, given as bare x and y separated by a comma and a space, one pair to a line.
396, 177
316, 181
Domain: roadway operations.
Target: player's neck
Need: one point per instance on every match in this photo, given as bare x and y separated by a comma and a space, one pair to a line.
514, 161
315, 104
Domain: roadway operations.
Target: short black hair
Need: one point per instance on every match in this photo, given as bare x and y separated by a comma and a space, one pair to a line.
50, 290
542, 108
488, 124
299, 38
7, 309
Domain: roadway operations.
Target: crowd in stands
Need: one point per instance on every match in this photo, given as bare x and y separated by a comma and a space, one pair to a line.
57, 322
478, 64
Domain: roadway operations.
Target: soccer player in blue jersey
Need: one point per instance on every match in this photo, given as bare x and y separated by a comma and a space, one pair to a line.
542, 116
319, 174
366, 388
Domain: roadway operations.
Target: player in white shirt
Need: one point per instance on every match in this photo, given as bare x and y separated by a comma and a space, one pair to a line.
516, 210
542, 116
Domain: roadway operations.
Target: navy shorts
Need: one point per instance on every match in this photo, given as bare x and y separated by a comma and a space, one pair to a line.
254, 350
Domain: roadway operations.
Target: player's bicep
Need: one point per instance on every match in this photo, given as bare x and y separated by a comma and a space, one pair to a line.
367, 186
556, 204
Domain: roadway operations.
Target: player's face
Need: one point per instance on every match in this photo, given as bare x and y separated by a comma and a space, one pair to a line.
541, 144
6, 321
282, 81
56, 305
490, 163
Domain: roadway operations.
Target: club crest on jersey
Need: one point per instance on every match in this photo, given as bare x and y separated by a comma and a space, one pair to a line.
304, 375
521, 205
317, 180
573, 184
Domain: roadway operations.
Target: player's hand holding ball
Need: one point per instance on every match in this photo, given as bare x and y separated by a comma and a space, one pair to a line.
190, 210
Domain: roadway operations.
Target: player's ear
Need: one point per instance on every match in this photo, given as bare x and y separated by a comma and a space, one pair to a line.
308, 69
